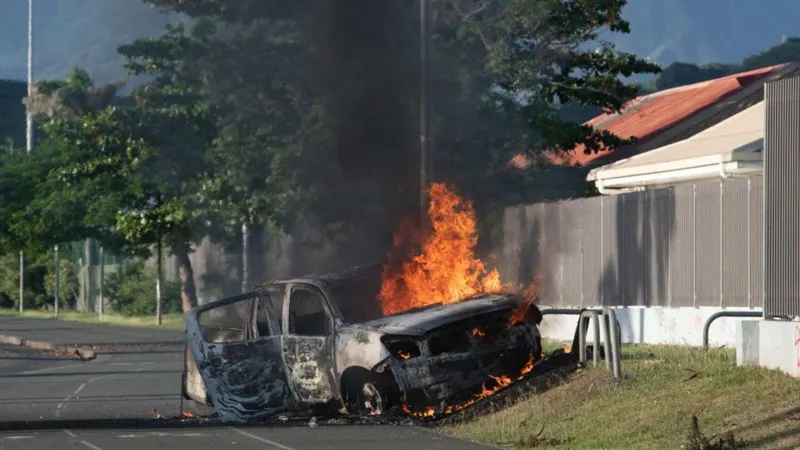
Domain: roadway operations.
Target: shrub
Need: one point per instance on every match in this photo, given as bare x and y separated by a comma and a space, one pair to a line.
131, 291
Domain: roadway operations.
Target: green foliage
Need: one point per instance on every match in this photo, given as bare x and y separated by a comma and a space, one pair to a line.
131, 291
39, 286
12, 112
680, 74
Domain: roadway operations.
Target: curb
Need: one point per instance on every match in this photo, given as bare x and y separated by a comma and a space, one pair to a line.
83, 353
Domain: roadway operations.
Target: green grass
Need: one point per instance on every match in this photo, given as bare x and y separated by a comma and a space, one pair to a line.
652, 407
169, 321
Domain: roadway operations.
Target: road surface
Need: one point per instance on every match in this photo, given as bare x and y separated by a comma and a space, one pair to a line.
137, 373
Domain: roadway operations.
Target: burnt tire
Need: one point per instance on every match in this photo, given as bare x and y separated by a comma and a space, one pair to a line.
365, 396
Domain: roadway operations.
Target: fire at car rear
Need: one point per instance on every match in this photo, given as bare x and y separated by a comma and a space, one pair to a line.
446, 357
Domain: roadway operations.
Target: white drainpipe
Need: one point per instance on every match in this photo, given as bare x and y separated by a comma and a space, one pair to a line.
638, 183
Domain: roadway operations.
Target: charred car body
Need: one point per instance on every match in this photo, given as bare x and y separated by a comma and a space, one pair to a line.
321, 341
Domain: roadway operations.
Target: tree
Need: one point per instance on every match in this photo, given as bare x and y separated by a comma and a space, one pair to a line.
124, 176
681, 74
265, 111
347, 74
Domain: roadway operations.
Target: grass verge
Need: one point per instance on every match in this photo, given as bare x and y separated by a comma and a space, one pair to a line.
652, 407
169, 321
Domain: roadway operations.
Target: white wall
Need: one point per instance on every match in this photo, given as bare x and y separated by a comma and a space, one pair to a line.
656, 325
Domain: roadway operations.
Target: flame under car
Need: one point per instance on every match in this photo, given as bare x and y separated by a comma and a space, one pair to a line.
322, 341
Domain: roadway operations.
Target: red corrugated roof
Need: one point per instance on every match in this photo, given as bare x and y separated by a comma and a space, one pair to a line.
650, 114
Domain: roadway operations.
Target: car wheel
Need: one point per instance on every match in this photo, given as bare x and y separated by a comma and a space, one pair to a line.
366, 398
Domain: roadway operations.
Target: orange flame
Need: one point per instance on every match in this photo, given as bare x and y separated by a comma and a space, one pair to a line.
478, 332
528, 367
567, 349
187, 415
499, 383
404, 355
447, 270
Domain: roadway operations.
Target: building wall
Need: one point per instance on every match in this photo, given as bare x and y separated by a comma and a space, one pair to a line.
782, 207
678, 249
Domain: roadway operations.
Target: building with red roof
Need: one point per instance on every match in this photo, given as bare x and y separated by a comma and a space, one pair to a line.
673, 115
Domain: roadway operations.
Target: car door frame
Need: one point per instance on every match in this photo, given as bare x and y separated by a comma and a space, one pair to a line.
326, 357
238, 388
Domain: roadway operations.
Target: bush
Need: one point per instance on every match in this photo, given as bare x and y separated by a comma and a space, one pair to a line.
132, 291
39, 281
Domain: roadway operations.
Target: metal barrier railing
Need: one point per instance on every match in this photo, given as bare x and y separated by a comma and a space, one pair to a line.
611, 334
715, 316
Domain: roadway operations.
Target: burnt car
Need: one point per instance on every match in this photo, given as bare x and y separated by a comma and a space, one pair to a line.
322, 341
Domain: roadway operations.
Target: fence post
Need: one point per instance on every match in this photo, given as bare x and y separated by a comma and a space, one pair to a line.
101, 299
87, 250
21, 282
158, 282
56, 280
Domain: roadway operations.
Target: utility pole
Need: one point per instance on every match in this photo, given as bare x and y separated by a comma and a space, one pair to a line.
423, 115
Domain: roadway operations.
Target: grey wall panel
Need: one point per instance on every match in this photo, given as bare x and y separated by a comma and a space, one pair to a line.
681, 268
756, 215
553, 256
610, 266
735, 220
782, 198
707, 244
571, 251
661, 231
539, 270
593, 262
690, 245
515, 238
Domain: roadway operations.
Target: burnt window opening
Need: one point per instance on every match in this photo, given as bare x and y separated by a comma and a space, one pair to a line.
307, 314
453, 341
225, 323
277, 293
262, 318
404, 350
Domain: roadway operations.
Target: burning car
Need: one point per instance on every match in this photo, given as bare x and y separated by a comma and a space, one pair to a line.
323, 341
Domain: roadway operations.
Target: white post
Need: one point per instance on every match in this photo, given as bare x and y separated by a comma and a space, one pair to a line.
56, 280
21, 282
158, 283
29, 118
101, 300
245, 257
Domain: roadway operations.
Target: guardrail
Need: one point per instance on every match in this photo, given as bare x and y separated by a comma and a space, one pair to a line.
717, 315
611, 334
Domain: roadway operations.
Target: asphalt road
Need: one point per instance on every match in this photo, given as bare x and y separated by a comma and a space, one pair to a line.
137, 373
336, 437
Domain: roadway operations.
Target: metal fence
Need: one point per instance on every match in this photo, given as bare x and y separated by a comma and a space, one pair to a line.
782, 208
691, 245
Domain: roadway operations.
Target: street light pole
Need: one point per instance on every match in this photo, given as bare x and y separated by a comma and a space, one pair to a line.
28, 117
423, 114
28, 142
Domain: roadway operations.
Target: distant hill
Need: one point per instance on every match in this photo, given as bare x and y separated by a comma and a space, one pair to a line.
70, 33
706, 31
12, 112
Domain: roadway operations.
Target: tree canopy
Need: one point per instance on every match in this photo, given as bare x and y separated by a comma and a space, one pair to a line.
264, 111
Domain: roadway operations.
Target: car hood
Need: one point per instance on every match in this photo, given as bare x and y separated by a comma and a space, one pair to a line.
419, 322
